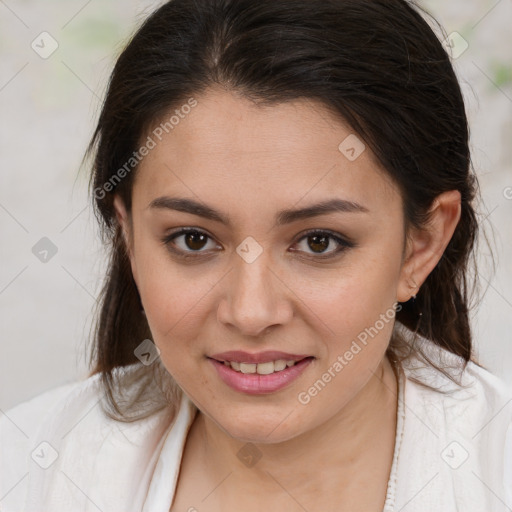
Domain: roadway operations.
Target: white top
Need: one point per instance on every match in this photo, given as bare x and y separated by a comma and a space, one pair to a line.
60, 453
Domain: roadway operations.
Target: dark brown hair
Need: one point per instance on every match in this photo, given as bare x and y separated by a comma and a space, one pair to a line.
377, 64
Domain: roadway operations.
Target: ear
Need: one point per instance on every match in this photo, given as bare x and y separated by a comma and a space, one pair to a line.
123, 219
426, 246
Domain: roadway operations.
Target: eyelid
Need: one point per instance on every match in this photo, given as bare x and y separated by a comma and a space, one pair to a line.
336, 236
342, 241
167, 239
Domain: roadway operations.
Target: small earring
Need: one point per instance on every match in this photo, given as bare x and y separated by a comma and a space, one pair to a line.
415, 287
420, 314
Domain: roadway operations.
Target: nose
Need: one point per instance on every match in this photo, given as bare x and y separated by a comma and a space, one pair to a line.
255, 298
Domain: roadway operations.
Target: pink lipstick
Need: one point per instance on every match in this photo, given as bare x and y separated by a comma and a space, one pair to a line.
259, 373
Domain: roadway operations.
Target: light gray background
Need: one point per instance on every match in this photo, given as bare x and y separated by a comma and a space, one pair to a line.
48, 110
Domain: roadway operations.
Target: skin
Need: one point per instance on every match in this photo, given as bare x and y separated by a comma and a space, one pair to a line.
249, 162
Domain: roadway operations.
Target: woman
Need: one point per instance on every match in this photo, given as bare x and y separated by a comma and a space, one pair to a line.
288, 192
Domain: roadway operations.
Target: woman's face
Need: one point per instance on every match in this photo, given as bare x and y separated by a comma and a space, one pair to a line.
269, 271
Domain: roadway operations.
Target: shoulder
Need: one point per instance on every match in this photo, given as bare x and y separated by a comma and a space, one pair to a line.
456, 382
459, 424
25, 416
19, 428
42, 439
21, 421
57, 406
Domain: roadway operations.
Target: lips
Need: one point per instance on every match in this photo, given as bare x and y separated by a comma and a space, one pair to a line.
259, 373
239, 356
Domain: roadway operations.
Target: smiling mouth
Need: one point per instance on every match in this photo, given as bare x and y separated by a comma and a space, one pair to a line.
261, 377
266, 368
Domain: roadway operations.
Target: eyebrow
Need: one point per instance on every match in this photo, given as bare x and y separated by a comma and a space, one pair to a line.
283, 217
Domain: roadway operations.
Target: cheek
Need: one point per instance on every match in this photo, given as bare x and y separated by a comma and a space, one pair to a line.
360, 314
177, 301
354, 295
361, 323
174, 296
356, 310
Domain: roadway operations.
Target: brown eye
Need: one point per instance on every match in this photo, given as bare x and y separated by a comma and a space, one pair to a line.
195, 240
187, 241
319, 243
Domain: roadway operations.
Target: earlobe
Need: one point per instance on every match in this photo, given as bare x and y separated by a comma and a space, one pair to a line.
427, 245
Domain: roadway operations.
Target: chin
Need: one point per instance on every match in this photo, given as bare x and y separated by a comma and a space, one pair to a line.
250, 426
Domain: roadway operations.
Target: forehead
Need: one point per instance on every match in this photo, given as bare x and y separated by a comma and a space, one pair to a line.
233, 149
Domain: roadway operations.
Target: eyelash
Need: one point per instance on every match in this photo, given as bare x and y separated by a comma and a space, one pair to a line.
343, 244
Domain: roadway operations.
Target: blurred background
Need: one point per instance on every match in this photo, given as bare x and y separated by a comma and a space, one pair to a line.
55, 59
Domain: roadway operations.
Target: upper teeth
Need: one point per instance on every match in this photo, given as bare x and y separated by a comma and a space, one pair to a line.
261, 368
